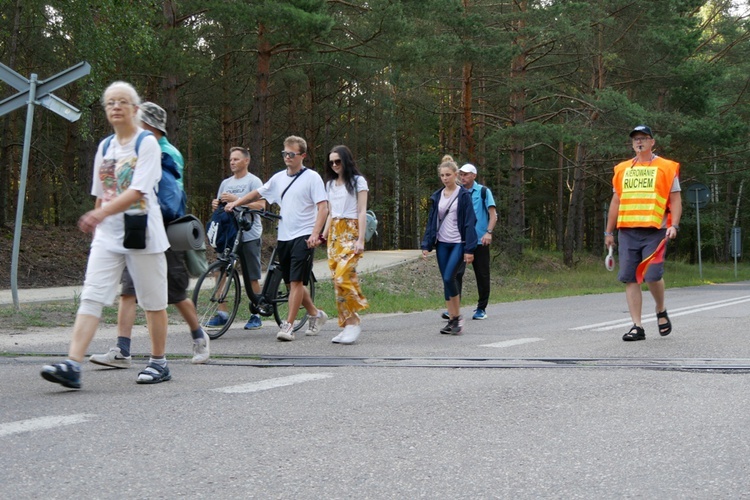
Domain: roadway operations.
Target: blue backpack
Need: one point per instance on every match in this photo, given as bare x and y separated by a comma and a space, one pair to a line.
221, 229
172, 199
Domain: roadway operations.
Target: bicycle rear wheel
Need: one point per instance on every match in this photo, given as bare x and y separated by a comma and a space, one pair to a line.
279, 293
217, 286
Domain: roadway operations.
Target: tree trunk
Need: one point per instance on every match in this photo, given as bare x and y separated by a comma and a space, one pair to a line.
260, 100
575, 204
5, 148
516, 213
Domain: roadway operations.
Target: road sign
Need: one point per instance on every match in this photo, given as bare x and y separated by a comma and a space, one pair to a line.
33, 92
698, 195
43, 87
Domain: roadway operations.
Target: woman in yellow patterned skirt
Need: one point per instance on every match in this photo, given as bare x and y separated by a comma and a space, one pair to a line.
345, 231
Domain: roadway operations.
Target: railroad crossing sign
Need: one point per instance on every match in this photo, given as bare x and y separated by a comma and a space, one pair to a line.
33, 92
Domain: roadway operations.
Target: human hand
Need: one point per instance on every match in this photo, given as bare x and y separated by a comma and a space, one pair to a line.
359, 247
228, 197
424, 254
486, 239
229, 206
214, 204
671, 232
609, 241
88, 221
468, 258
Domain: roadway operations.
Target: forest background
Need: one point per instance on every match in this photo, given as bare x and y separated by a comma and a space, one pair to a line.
539, 95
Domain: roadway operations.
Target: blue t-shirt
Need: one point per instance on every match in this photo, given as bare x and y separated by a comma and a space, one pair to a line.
481, 208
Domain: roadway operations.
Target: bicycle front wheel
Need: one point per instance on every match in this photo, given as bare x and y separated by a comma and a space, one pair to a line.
279, 294
216, 288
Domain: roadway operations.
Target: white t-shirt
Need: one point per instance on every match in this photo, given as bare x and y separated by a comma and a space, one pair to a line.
239, 188
299, 207
121, 162
341, 204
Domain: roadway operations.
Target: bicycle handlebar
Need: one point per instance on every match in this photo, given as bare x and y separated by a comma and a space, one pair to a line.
240, 211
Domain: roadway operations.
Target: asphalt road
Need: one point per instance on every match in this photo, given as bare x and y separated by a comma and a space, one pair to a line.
541, 400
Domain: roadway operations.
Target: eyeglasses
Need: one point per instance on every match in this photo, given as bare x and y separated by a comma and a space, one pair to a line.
334, 162
290, 154
120, 103
641, 139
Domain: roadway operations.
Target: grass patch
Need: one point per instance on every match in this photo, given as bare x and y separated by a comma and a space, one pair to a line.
416, 286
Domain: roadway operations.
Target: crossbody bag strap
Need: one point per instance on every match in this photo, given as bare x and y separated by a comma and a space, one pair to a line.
296, 176
440, 221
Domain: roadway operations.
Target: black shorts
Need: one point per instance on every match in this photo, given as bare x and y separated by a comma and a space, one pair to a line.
177, 278
295, 259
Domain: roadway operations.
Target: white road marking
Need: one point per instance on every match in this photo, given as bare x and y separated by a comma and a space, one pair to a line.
43, 423
273, 383
673, 313
510, 343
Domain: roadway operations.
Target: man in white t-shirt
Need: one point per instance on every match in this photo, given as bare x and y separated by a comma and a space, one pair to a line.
303, 214
231, 189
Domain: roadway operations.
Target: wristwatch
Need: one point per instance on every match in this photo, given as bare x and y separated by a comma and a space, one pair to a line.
676, 228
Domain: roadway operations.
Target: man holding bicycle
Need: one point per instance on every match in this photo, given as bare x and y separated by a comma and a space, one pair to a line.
231, 189
303, 214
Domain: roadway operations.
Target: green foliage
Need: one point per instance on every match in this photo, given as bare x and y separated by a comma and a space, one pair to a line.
388, 78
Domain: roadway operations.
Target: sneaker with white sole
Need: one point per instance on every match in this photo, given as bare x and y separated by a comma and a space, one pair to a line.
350, 334
337, 338
62, 373
201, 351
315, 322
479, 314
286, 334
113, 359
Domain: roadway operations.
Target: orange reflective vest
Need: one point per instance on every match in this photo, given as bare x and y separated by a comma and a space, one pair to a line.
643, 189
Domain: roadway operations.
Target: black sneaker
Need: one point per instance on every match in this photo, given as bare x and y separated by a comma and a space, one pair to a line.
446, 330
63, 374
457, 327
445, 315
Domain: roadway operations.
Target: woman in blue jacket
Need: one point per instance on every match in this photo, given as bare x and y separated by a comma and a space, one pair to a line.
450, 230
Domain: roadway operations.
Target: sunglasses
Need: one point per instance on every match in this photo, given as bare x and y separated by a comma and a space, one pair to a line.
290, 154
334, 162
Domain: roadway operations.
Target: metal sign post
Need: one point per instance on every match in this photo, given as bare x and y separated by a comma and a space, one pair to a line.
698, 195
29, 91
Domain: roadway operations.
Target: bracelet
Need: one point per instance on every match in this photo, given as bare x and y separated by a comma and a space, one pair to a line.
676, 228
322, 238
608, 234
489, 232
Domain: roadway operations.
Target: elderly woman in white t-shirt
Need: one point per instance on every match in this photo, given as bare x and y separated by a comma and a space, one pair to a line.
127, 169
345, 232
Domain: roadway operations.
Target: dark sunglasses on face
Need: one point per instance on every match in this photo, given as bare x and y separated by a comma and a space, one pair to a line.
334, 162
290, 154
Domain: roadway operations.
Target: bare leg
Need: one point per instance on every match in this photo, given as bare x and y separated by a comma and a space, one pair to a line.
299, 296
657, 292
83, 331
187, 309
454, 306
157, 329
635, 302
126, 316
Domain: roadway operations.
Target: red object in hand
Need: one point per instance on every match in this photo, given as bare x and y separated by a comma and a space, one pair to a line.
609, 261
322, 239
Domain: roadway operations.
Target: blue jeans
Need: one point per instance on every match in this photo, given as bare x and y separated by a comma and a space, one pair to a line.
449, 257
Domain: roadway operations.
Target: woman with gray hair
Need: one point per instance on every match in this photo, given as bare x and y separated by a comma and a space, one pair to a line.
128, 229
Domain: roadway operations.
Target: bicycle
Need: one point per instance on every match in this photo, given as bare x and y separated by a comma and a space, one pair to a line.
226, 288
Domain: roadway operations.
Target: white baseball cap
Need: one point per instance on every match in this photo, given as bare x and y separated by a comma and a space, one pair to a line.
469, 168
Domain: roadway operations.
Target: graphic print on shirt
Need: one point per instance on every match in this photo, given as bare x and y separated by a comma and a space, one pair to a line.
116, 176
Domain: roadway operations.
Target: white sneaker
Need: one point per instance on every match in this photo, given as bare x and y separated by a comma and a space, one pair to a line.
337, 338
350, 334
285, 333
315, 322
200, 349
113, 358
